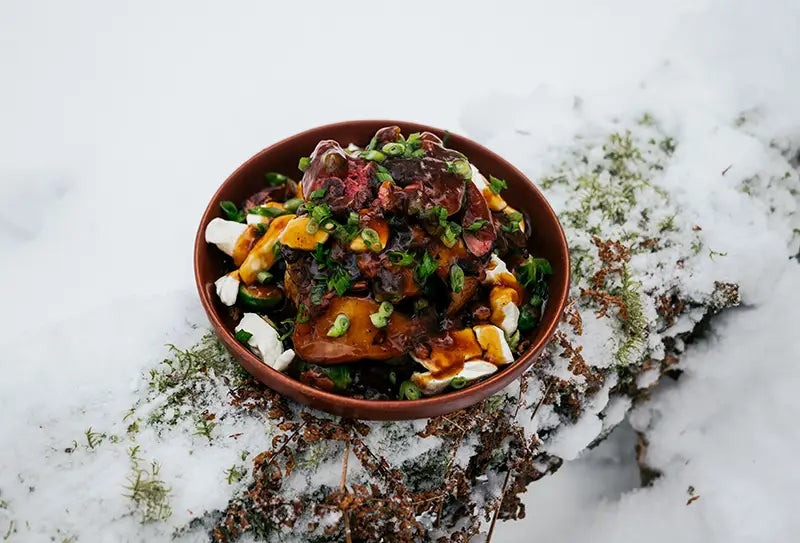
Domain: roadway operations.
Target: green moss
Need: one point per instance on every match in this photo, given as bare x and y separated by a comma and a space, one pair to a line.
635, 326
147, 491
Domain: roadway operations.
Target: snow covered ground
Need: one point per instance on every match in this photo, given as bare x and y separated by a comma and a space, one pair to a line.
119, 121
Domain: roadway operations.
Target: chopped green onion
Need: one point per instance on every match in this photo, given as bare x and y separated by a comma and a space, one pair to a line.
372, 143
375, 156
409, 391
232, 212
379, 321
399, 258
340, 326
456, 278
276, 249
263, 276
317, 194
302, 314
292, 204
274, 179
513, 340
262, 228
312, 226
290, 325
496, 185
477, 225
392, 378
450, 235
420, 304
385, 309
458, 382
384, 177
425, 268
513, 222
243, 336
394, 149
461, 168
371, 239
265, 211
419, 153
304, 163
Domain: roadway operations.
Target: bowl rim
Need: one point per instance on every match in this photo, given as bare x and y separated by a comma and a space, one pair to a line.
425, 407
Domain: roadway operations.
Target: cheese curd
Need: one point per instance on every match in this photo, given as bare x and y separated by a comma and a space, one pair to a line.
224, 234
494, 201
265, 342
505, 313
497, 268
493, 342
472, 370
228, 288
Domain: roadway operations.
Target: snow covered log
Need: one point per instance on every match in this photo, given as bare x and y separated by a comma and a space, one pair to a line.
646, 281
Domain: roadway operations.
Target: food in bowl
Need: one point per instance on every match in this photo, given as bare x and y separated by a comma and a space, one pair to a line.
392, 270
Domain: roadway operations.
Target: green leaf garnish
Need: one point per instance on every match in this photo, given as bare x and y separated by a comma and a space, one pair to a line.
341, 375
425, 268
243, 336
384, 177
514, 220
339, 281
533, 270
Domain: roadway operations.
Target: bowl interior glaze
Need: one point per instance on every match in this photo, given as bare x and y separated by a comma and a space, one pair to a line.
547, 240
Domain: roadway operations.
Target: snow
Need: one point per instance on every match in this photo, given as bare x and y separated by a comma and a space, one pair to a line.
114, 112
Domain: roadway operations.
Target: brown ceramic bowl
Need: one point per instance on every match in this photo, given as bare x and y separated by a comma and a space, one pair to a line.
547, 240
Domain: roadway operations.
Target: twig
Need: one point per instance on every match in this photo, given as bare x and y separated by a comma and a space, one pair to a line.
541, 400
343, 488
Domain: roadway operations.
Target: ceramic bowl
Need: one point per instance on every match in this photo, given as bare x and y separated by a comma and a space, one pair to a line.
547, 240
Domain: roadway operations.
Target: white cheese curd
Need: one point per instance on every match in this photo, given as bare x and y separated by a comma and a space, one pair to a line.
510, 318
228, 288
283, 361
254, 218
472, 370
493, 342
224, 234
265, 341
497, 267
478, 179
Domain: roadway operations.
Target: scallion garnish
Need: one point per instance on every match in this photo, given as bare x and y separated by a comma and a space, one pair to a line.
371, 239
274, 179
263, 276
456, 278
317, 194
477, 225
394, 149
304, 163
514, 220
375, 156
292, 204
384, 177
232, 212
381, 318
340, 326
267, 211
496, 185
458, 383
409, 391
399, 258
